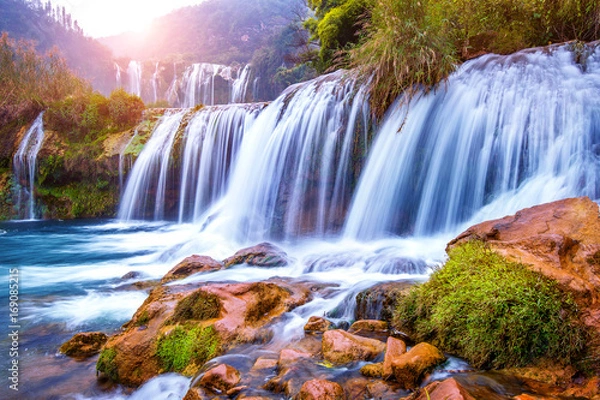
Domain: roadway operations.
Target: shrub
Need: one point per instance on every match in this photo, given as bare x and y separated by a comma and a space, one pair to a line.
184, 346
492, 312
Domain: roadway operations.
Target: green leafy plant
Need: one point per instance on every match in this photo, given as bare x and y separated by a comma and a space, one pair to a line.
492, 312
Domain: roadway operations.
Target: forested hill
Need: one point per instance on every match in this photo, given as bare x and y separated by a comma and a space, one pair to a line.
219, 31
49, 26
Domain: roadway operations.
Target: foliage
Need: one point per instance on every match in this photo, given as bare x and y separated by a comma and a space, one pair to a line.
84, 199
29, 81
184, 346
336, 25
492, 312
88, 116
413, 45
106, 364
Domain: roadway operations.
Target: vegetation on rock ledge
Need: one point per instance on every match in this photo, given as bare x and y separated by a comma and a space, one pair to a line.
492, 312
187, 347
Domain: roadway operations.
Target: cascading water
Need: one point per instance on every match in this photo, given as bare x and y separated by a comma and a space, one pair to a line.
118, 75
212, 140
24, 168
155, 83
209, 145
149, 173
299, 161
506, 132
134, 72
209, 84
240, 86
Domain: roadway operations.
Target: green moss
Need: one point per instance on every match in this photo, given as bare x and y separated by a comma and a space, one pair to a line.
184, 346
79, 199
492, 312
106, 364
143, 319
199, 306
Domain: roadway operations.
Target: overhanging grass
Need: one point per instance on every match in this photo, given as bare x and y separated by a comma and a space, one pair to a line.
492, 312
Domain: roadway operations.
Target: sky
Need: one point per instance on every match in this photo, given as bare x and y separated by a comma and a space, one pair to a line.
110, 17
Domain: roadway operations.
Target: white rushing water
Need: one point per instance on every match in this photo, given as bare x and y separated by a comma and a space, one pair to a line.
134, 72
504, 133
25, 168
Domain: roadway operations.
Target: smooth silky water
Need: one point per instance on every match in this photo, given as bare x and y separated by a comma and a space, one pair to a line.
352, 204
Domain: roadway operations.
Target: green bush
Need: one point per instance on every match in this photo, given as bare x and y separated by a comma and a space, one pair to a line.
184, 346
492, 312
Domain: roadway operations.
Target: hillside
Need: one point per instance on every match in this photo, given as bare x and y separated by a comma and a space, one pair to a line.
51, 27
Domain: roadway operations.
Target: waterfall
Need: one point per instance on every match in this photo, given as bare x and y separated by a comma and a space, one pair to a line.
155, 83
211, 143
24, 168
240, 86
118, 75
298, 162
149, 173
209, 84
185, 165
134, 71
507, 132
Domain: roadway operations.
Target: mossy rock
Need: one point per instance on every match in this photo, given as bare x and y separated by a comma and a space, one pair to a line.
492, 312
186, 348
201, 305
106, 364
84, 345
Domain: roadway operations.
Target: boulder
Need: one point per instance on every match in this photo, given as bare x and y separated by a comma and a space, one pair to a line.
447, 389
288, 357
370, 328
378, 301
341, 347
372, 370
263, 363
317, 325
240, 314
319, 389
394, 349
260, 255
221, 378
191, 265
561, 240
84, 344
410, 368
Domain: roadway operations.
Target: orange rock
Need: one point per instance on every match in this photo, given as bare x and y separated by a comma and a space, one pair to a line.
319, 389
394, 349
410, 368
448, 389
341, 347
317, 325
191, 265
260, 255
220, 378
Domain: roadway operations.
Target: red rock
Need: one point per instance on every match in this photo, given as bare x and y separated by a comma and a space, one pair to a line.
84, 344
192, 265
560, 240
290, 356
319, 389
448, 389
410, 368
341, 347
261, 255
262, 363
367, 327
221, 378
394, 349
317, 325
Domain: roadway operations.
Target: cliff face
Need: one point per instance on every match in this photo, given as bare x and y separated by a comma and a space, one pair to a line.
73, 180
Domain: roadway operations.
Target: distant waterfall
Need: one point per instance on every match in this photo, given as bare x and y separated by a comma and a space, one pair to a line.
118, 75
184, 167
209, 84
507, 132
134, 72
298, 162
155, 83
24, 168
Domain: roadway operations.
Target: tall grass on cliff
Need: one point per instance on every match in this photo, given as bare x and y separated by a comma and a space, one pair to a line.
492, 312
30, 81
413, 45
